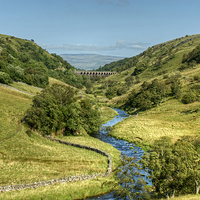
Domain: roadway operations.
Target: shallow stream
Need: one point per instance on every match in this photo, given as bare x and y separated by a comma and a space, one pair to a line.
129, 149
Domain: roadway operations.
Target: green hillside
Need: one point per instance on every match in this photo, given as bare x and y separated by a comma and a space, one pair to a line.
25, 61
26, 157
157, 57
161, 87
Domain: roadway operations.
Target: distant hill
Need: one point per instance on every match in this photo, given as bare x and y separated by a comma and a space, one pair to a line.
89, 61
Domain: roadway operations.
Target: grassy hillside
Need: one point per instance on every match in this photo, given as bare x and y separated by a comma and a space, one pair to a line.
157, 56
26, 157
175, 112
160, 89
25, 61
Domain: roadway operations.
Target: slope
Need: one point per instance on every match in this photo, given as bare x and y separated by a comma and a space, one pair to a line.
25, 61
26, 157
160, 88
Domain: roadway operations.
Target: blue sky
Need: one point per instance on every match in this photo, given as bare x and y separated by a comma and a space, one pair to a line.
107, 27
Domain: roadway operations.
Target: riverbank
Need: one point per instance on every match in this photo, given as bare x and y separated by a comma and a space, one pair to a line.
171, 118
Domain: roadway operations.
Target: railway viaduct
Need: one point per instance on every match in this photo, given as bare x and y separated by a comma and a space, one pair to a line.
94, 73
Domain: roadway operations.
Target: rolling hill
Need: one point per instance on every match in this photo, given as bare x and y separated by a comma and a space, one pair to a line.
25, 61
160, 88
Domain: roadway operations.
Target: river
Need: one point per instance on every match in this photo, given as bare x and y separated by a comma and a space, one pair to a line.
129, 149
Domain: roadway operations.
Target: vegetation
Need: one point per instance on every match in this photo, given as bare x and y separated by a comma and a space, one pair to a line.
160, 90
25, 61
26, 157
131, 183
174, 167
56, 109
163, 101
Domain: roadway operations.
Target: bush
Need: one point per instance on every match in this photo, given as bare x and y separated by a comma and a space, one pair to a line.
189, 97
5, 78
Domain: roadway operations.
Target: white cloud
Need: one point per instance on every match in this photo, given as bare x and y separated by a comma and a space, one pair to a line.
120, 45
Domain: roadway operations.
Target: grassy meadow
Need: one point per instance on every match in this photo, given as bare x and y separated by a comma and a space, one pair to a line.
26, 157
171, 118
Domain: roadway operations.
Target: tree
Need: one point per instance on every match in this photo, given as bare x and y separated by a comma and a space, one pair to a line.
171, 165
5, 78
57, 108
131, 183
129, 80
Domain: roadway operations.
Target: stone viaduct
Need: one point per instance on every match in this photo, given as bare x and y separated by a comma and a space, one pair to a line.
94, 73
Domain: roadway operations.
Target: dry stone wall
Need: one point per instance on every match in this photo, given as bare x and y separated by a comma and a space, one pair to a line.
9, 188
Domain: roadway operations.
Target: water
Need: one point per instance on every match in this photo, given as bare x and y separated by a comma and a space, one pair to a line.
129, 149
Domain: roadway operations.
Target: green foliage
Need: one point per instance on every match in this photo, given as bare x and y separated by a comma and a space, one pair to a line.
170, 166
192, 56
56, 109
188, 97
5, 78
176, 86
15, 72
25, 61
131, 183
111, 92
148, 96
139, 68
129, 80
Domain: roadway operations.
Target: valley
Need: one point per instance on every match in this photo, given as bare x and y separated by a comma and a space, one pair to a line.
159, 89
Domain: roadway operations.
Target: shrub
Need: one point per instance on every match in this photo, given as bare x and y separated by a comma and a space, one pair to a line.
5, 78
189, 97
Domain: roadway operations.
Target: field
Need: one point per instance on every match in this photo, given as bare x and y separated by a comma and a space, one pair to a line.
26, 157
171, 118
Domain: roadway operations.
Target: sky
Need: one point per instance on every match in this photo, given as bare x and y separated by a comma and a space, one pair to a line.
122, 28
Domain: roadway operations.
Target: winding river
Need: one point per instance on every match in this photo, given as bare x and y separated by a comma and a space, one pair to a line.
124, 147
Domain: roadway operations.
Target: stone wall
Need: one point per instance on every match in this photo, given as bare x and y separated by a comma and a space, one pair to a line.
9, 188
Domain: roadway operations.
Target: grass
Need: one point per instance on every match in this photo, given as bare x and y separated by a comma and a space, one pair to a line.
171, 118
25, 87
28, 158
66, 191
107, 113
53, 80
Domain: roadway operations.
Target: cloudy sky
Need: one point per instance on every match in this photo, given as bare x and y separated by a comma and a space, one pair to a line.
107, 27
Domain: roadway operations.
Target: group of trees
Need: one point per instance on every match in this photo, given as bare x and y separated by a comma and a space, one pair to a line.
148, 96
194, 55
57, 110
32, 76
174, 167
191, 59
151, 94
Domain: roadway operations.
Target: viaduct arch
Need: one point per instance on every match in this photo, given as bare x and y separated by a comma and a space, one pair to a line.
94, 73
